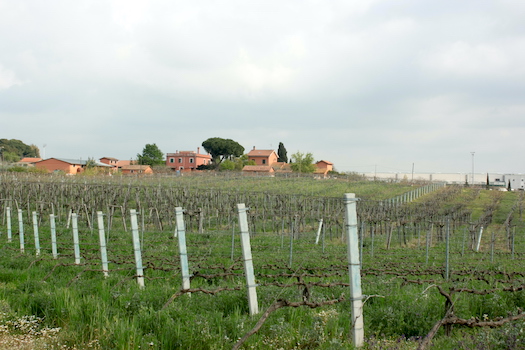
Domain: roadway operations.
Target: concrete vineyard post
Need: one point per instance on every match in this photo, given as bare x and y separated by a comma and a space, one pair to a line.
356, 296
319, 231
478, 243
247, 256
136, 247
35, 232
69, 217
52, 226
103, 247
21, 230
76, 241
9, 233
183, 253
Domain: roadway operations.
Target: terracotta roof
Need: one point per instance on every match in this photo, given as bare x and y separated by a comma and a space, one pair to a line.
260, 152
29, 160
325, 161
258, 168
79, 162
282, 167
135, 167
110, 158
122, 163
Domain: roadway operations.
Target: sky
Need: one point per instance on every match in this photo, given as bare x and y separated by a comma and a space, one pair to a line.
370, 85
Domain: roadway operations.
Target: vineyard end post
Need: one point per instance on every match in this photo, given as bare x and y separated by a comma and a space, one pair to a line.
183, 253
248, 261
354, 270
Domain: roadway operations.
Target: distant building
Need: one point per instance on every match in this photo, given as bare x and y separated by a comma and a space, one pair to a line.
136, 170
187, 160
28, 161
263, 156
323, 167
115, 163
68, 166
258, 170
515, 181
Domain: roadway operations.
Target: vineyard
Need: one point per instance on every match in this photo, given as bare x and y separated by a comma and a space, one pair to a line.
441, 266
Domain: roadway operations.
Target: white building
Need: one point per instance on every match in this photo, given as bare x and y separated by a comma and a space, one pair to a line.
517, 181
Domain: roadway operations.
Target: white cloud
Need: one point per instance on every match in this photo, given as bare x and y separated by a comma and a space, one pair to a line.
8, 78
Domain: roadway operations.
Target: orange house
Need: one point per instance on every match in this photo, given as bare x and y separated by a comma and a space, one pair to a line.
323, 167
263, 156
115, 163
187, 160
68, 166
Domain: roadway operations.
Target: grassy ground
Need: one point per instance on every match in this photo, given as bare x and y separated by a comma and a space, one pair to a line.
54, 304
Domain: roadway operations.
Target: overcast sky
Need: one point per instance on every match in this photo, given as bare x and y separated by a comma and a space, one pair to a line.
371, 85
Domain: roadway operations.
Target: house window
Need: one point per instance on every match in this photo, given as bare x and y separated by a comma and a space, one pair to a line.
181, 168
180, 160
172, 160
264, 161
191, 160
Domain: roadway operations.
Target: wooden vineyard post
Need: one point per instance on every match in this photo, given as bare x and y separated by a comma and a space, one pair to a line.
183, 253
9, 233
291, 246
103, 247
361, 245
356, 297
492, 243
429, 235
136, 247
52, 226
21, 229
247, 256
233, 243
35, 231
319, 231
447, 252
76, 241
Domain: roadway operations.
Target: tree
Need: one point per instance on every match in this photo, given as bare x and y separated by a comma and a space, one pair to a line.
303, 163
281, 152
14, 150
151, 155
237, 164
221, 149
90, 163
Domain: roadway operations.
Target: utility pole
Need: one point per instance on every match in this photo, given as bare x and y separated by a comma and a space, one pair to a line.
472, 180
